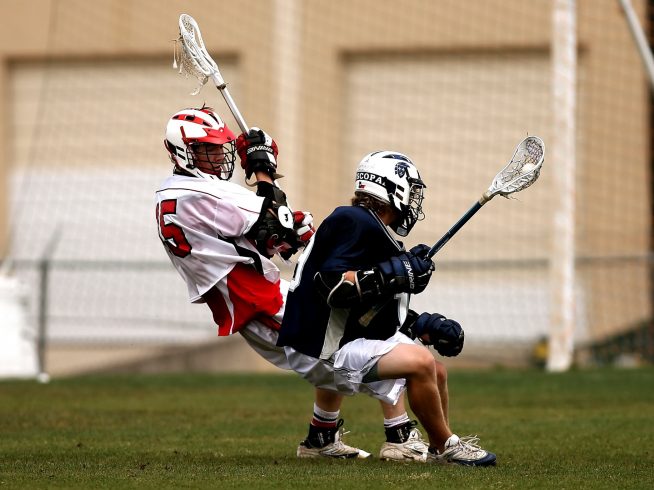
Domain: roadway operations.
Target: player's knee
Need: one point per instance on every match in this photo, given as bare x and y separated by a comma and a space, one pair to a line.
441, 371
422, 363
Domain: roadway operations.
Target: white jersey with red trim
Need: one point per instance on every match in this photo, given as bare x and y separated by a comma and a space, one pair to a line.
202, 225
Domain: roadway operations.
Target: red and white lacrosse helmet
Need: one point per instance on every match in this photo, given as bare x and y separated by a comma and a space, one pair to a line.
392, 177
200, 143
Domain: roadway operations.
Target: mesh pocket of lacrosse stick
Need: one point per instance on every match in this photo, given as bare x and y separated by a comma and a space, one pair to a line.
196, 62
523, 169
194, 59
518, 174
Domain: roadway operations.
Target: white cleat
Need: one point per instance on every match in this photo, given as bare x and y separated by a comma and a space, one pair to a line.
337, 449
463, 451
413, 449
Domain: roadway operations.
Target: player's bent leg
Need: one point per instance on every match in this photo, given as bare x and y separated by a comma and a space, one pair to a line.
325, 433
416, 364
405, 361
443, 392
328, 400
423, 390
424, 377
344, 372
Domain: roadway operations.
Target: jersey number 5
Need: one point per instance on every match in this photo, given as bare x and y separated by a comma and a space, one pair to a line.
171, 234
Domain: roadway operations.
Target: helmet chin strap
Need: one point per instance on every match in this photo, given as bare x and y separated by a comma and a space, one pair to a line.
390, 216
400, 227
396, 221
180, 171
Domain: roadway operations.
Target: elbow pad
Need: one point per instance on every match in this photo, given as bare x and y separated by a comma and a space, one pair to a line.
272, 192
341, 293
274, 225
408, 325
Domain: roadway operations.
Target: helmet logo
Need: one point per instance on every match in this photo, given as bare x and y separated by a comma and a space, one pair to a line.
401, 169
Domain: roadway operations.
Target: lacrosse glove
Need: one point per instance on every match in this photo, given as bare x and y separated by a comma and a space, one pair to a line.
302, 232
444, 334
269, 232
408, 272
303, 226
258, 152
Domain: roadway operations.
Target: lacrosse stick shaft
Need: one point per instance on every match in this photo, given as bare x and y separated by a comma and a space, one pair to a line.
220, 85
457, 226
372, 312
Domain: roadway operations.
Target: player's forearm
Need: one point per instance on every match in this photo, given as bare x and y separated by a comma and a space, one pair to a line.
262, 176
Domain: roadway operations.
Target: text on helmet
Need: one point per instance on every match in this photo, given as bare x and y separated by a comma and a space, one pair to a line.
370, 177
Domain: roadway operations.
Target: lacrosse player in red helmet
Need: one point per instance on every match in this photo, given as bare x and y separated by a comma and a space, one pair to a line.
348, 327
221, 236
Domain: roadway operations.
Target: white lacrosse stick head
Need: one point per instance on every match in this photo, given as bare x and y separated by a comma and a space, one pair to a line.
195, 61
523, 169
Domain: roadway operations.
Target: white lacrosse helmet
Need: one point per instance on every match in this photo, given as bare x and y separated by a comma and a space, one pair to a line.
190, 138
392, 177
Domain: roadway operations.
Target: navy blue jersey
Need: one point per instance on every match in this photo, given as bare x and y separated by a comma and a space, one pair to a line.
351, 238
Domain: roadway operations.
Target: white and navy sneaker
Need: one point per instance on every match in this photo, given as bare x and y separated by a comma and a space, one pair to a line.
406, 444
328, 443
463, 451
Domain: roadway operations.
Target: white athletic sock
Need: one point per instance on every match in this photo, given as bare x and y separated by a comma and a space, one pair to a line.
323, 418
401, 420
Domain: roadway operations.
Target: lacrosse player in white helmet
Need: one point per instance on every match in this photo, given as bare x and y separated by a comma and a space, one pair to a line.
221, 236
348, 327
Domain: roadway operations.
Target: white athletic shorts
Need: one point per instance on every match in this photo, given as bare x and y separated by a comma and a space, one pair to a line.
345, 369
263, 340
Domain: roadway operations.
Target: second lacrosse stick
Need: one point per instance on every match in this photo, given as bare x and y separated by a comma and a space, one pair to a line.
518, 174
197, 62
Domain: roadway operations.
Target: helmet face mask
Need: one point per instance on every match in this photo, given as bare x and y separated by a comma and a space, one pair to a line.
201, 144
392, 177
211, 160
412, 211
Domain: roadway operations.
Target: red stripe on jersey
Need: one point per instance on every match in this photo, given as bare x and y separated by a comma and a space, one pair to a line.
251, 295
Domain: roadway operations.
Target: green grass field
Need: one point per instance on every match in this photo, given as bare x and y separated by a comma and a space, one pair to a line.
578, 430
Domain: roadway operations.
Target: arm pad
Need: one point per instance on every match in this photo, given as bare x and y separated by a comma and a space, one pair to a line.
341, 293
407, 326
272, 192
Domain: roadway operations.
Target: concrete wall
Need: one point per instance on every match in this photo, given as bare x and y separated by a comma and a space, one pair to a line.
333, 79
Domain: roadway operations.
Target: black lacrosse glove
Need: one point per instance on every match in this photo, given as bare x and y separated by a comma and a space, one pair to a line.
408, 272
271, 230
258, 152
444, 334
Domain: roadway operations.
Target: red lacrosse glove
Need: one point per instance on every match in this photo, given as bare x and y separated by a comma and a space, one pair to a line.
299, 237
303, 226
